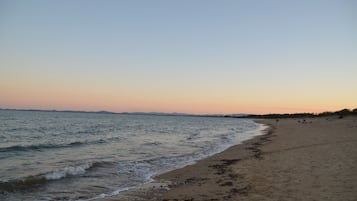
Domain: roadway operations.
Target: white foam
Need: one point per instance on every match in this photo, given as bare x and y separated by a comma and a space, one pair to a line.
104, 195
68, 171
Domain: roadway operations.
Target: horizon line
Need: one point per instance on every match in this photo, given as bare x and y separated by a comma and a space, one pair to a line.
111, 112
162, 113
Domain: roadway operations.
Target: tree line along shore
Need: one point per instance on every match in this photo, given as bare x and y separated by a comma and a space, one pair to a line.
339, 114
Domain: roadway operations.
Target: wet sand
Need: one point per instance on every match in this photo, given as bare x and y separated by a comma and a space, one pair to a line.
298, 159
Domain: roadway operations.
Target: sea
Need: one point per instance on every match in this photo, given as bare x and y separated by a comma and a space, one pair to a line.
76, 156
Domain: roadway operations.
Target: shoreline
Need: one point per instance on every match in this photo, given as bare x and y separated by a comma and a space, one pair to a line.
298, 159
164, 182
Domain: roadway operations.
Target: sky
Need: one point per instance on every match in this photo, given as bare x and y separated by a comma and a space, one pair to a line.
190, 56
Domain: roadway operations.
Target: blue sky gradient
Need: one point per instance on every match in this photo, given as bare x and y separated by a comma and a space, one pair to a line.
183, 56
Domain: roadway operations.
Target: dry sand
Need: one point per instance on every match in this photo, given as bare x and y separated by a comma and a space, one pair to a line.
315, 159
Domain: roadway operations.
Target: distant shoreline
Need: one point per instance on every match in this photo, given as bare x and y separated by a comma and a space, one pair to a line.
340, 113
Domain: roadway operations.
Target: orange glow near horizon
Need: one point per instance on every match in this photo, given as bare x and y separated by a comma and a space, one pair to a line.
28, 93
133, 101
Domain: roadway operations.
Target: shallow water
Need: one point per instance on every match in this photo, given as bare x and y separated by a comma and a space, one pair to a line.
84, 156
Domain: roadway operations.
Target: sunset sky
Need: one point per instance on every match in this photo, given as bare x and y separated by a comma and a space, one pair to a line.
192, 56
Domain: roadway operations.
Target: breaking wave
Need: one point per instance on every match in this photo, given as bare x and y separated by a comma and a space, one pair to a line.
68, 171
33, 181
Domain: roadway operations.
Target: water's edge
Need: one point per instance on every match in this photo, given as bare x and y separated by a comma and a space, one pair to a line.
155, 185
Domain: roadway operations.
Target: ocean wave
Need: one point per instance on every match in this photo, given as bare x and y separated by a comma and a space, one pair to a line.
21, 184
39, 147
30, 147
33, 181
68, 171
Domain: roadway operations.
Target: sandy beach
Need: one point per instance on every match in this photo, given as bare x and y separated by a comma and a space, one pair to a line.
298, 159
